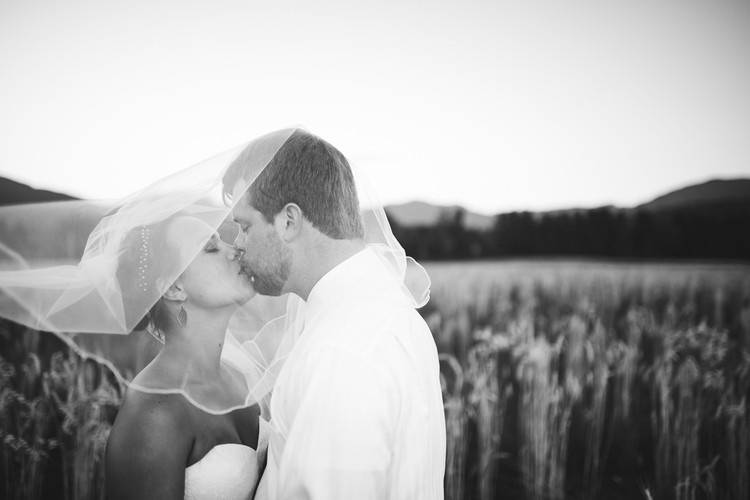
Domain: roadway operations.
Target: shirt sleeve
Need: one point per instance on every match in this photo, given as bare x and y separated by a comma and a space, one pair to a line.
339, 444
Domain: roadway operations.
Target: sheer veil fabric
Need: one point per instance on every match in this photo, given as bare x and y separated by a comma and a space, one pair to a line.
90, 272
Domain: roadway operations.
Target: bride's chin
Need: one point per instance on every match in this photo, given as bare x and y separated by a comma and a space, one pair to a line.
247, 296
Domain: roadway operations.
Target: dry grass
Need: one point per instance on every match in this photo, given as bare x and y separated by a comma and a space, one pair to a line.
571, 380
55, 416
627, 381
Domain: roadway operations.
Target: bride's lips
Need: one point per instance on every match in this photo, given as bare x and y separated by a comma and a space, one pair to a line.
247, 272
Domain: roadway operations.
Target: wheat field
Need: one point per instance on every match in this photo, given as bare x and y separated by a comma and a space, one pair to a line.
584, 380
561, 379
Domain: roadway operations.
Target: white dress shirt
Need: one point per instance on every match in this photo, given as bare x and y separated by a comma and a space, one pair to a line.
357, 410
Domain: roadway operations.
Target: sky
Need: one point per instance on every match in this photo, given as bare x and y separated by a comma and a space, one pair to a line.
492, 105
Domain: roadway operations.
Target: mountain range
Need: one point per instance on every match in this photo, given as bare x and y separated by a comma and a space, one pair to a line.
703, 221
419, 213
712, 193
13, 192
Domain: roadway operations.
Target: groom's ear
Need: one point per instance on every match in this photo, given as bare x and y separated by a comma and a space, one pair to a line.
288, 222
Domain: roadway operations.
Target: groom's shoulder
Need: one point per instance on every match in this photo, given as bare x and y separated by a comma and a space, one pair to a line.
370, 326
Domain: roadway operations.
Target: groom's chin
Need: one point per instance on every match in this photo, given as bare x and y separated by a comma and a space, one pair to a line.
249, 282
267, 288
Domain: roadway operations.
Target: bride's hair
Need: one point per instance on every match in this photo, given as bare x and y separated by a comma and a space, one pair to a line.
310, 172
138, 269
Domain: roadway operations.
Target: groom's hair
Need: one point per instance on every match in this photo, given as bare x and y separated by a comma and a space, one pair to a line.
310, 172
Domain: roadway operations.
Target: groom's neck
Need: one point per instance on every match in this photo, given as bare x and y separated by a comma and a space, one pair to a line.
319, 258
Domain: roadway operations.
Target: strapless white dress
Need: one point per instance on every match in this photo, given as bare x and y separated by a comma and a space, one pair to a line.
228, 471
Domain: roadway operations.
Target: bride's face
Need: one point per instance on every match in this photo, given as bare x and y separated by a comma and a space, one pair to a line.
213, 278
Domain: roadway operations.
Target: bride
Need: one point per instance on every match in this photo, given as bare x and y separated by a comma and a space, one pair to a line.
161, 445
160, 261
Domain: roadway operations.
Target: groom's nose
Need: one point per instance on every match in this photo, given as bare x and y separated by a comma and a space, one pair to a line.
239, 240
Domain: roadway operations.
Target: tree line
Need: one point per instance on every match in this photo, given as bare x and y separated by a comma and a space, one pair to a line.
718, 231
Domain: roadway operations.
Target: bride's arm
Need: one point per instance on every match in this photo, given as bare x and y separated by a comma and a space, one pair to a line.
148, 449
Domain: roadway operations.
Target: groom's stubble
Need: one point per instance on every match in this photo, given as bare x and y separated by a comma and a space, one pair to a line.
268, 262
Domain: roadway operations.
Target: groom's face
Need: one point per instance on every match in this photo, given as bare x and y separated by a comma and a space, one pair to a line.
267, 260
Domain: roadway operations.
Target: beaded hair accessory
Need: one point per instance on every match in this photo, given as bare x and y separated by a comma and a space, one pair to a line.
143, 258
144, 255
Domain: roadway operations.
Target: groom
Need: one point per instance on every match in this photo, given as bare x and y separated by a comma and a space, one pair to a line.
357, 410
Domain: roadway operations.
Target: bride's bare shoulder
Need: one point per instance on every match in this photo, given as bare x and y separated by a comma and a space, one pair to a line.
151, 399
149, 446
144, 415
152, 395
149, 413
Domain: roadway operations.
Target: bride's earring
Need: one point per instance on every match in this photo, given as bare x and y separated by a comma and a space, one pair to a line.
155, 332
182, 317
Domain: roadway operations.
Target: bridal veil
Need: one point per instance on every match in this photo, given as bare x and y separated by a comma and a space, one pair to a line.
91, 272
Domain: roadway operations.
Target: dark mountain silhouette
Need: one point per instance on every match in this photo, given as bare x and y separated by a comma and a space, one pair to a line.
12, 193
718, 192
714, 192
704, 221
55, 233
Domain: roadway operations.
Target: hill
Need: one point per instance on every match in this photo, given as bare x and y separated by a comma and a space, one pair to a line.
56, 234
703, 221
714, 192
13, 192
419, 213
718, 192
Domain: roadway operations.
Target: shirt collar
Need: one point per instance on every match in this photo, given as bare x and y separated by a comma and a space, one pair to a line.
343, 279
